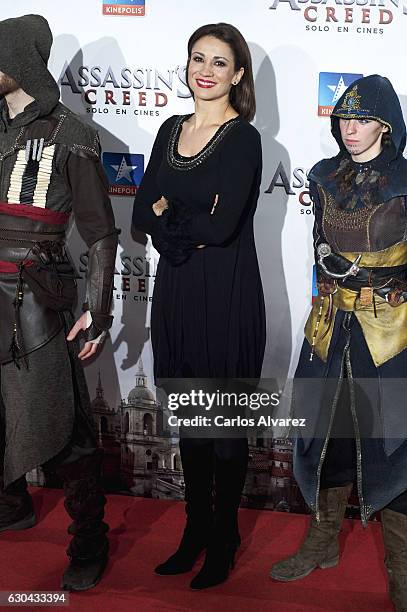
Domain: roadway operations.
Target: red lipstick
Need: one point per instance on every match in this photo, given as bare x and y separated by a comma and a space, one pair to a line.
204, 83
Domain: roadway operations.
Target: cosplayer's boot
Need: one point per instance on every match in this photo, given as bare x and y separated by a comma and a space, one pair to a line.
394, 525
16, 507
230, 473
197, 462
84, 502
320, 547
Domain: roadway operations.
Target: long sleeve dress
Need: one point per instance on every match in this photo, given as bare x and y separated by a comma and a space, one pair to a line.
208, 316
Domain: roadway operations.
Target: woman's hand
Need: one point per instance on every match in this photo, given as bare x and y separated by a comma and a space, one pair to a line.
160, 206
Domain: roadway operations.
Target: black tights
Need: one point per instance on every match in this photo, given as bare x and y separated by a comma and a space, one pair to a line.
214, 473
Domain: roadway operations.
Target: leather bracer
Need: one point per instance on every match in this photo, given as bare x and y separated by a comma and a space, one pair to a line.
101, 265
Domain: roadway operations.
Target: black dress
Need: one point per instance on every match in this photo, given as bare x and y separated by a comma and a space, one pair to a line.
208, 317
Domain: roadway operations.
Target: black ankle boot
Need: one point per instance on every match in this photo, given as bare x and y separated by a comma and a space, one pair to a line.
220, 558
183, 560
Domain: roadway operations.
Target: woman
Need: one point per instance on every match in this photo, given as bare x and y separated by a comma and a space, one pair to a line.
197, 200
350, 381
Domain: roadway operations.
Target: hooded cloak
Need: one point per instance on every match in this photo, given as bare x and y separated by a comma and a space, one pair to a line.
24, 52
371, 97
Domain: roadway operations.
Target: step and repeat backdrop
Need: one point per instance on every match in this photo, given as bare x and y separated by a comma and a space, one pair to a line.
121, 66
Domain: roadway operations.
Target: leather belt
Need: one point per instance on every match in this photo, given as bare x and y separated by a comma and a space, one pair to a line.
352, 276
18, 244
377, 278
10, 222
394, 291
17, 236
389, 282
15, 253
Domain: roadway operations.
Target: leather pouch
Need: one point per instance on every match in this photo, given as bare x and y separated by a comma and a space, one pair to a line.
37, 322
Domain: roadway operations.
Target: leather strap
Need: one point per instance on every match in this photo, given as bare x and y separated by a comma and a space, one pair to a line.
17, 236
25, 224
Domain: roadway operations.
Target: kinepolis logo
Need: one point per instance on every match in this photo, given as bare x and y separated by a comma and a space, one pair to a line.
140, 91
124, 172
360, 16
297, 186
133, 8
331, 87
132, 280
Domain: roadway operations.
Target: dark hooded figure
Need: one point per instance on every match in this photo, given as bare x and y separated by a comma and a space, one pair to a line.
49, 168
350, 382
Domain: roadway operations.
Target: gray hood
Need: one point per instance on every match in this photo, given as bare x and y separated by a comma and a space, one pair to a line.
24, 52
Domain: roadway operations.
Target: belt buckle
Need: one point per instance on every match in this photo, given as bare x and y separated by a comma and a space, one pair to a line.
366, 296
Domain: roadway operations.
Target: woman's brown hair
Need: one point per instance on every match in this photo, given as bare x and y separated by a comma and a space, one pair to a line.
241, 96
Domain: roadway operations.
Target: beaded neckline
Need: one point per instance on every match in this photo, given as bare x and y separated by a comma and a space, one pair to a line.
179, 162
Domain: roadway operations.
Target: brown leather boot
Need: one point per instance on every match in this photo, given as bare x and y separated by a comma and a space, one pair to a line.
394, 525
320, 547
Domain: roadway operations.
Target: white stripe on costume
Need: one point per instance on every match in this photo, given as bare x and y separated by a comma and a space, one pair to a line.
44, 177
16, 178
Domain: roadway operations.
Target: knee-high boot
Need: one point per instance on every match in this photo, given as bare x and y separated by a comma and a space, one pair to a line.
84, 502
231, 457
394, 525
320, 547
197, 463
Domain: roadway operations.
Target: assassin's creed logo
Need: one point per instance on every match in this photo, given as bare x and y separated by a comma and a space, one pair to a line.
122, 90
295, 184
369, 17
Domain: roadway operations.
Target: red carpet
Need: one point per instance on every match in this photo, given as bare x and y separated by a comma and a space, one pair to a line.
144, 532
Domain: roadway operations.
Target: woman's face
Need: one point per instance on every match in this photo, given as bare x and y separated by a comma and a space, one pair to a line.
211, 71
362, 137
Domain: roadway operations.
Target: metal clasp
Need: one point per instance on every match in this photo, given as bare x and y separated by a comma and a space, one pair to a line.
324, 250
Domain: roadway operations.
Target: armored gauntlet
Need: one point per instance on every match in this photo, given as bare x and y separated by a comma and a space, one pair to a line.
102, 255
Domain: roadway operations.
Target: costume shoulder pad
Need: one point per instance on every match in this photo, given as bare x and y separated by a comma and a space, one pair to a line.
72, 131
321, 171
